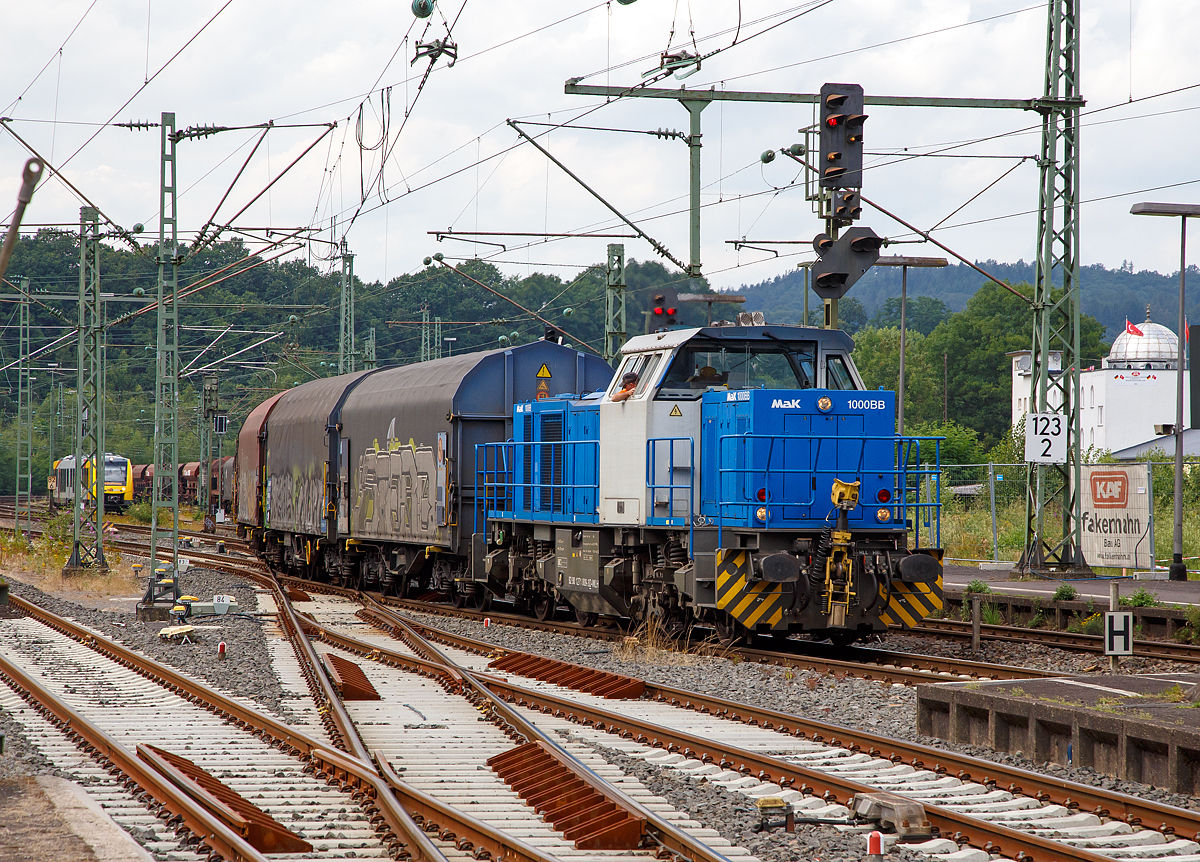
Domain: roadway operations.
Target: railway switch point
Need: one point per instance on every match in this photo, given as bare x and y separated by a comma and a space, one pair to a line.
895, 813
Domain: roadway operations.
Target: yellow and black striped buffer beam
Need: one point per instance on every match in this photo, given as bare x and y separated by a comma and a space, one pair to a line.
911, 603
752, 603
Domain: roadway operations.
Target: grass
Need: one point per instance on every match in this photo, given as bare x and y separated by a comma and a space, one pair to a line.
967, 526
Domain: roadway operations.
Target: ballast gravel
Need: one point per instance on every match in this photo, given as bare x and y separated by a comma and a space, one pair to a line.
246, 671
736, 817
875, 707
889, 710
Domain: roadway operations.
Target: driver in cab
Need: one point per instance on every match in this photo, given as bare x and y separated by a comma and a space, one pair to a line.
628, 387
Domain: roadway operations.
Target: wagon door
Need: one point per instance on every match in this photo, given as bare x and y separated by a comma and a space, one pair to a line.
343, 468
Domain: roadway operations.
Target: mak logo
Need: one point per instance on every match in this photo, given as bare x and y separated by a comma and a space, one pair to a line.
1110, 490
787, 405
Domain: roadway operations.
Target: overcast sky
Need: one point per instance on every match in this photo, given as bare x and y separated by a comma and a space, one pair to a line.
453, 163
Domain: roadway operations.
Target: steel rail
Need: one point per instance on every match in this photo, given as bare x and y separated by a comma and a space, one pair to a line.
1070, 794
358, 775
203, 825
963, 828
884, 665
1051, 637
476, 688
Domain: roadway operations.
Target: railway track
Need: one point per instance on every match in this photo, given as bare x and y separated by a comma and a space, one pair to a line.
1076, 641
816, 767
997, 810
191, 757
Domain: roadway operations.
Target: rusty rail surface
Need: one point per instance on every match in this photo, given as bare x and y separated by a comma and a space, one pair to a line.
1073, 795
354, 774
477, 688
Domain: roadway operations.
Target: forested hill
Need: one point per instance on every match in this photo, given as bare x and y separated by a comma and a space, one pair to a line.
1109, 295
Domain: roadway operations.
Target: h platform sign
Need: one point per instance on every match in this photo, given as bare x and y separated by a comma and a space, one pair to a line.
1118, 633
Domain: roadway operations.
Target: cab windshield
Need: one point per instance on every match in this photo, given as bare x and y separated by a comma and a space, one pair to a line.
114, 472
746, 365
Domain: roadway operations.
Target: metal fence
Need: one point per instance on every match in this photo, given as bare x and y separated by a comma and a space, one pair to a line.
984, 511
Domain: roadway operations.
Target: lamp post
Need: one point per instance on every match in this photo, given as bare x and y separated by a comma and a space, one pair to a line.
904, 262
1177, 570
450, 344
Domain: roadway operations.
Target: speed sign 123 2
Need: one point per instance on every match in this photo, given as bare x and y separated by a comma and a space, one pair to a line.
1046, 438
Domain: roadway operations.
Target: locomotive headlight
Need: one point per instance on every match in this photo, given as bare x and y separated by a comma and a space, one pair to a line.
761, 514
883, 515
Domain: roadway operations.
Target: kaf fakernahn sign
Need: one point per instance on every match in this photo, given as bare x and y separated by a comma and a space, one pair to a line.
1116, 515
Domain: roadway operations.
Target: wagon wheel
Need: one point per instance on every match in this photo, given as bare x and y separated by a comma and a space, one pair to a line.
458, 596
482, 599
543, 606
586, 619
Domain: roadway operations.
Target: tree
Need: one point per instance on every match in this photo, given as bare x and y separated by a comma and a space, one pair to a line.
921, 314
975, 342
877, 356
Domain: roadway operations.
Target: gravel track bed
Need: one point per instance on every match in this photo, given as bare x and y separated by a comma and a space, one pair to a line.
888, 710
247, 673
1032, 655
735, 817
870, 706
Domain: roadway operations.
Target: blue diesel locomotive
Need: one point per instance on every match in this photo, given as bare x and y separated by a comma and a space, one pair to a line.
738, 475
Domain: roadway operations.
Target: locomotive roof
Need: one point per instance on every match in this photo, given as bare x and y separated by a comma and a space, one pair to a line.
672, 338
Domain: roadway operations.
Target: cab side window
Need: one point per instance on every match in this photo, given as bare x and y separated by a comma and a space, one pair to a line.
837, 375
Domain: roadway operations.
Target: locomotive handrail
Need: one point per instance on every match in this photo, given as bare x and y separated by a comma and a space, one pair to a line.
501, 486
671, 487
903, 448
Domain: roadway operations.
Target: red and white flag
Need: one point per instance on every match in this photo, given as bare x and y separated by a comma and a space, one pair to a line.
1131, 329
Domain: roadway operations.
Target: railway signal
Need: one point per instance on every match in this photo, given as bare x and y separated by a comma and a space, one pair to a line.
843, 261
664, 310
842, 120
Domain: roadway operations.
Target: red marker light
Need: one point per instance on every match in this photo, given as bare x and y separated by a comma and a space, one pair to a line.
762, 495
670, 311
658, 311
884, 495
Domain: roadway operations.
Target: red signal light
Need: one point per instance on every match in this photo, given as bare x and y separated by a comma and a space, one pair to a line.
671, 311
658, 311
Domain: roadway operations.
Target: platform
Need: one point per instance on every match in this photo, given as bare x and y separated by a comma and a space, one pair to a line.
1142, 728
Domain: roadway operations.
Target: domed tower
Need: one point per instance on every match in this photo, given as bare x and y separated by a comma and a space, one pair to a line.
1152, 345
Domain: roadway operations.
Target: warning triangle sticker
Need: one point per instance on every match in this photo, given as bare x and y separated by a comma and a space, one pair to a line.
544, 371
675, 411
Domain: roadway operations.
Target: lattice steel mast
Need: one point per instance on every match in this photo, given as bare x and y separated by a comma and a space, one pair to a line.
24, 496
87, 549
1056, 312
615, 331
346, 338
165, 490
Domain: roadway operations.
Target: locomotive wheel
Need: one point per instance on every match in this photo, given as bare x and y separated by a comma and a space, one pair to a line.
585, 618
843, 638
729, 630
543, 606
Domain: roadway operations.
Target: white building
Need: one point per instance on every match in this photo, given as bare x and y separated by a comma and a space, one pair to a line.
1126, 400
